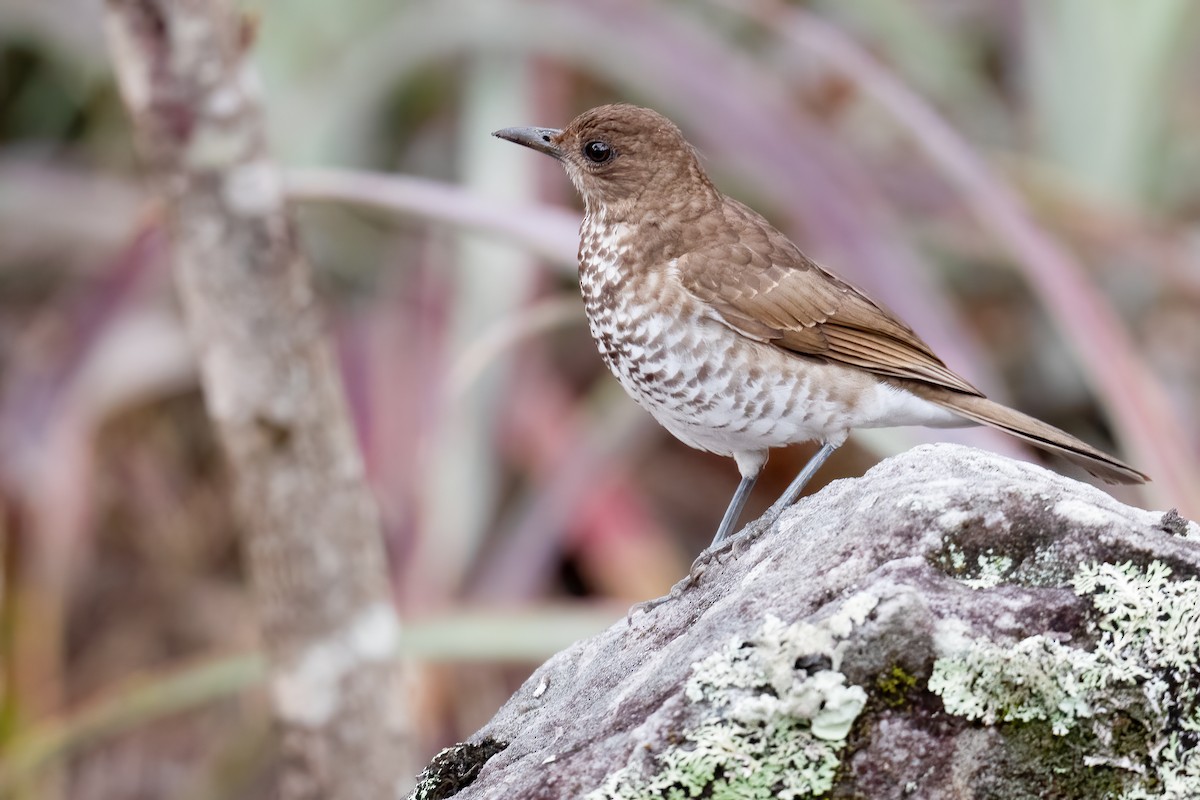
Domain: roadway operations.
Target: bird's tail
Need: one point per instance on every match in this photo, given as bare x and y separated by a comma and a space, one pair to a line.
1036, 432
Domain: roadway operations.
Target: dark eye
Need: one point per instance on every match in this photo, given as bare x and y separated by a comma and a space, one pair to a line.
597, 152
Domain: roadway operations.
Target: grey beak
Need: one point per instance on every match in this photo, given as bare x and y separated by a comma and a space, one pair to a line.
540, 139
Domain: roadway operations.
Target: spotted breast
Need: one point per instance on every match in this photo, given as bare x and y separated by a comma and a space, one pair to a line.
712, 389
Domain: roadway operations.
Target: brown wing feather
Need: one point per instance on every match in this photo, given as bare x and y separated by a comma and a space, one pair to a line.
758, 283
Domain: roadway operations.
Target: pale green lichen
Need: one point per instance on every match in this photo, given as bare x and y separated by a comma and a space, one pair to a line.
958, 559
780, 725
991, 568
1144, 667
1039, 678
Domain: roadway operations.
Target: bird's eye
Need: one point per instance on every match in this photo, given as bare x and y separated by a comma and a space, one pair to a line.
597, 152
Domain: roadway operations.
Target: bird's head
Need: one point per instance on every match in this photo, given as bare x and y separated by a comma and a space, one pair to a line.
623, 159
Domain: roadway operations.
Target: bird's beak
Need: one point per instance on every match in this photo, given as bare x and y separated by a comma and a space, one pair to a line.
540, 139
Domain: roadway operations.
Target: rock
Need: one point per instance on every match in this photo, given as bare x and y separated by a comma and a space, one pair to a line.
953, 624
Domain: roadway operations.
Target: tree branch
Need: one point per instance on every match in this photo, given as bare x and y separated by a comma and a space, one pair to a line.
311, 528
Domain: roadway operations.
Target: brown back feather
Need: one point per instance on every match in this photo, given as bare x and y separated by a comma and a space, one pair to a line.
758, 283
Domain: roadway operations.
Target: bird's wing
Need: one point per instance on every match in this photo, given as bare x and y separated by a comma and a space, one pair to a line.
760, 285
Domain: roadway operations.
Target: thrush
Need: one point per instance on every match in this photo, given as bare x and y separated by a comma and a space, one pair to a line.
733, 339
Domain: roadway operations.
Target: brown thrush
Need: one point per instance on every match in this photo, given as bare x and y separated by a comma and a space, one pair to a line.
733, 339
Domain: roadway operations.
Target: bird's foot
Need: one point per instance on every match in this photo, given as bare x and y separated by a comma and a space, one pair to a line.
733, 544
646, 606
757, 528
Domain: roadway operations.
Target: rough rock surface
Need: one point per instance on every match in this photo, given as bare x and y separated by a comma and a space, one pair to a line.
953, 624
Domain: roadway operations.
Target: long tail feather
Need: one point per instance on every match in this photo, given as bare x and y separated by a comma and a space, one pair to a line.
1034, 431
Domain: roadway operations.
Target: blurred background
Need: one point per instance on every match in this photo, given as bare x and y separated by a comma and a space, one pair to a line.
1019, 180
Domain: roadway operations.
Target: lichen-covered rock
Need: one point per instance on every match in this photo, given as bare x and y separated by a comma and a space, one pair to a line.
951, 625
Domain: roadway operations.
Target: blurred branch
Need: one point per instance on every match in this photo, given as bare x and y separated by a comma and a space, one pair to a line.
311, 527
48, 209
1146, 424
550, 232
38, 208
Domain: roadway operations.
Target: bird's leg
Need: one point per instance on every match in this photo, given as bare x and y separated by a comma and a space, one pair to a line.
732, 513
789, 496
735, 508
793, 491
736, 504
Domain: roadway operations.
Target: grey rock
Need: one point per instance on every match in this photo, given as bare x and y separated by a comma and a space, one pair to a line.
953, 624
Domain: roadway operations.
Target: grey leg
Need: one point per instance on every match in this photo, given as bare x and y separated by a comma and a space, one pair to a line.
735, 508
730, 518
793, 491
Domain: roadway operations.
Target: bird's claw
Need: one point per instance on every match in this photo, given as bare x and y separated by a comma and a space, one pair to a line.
646, 606
699, 567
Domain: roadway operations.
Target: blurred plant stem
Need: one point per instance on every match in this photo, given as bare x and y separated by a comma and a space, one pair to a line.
50, 209
1098, 74
126, 707
32, 671
490, 282
538, 319
47, 419
468, 635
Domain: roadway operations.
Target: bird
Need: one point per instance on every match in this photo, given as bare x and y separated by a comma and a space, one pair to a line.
732, 338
